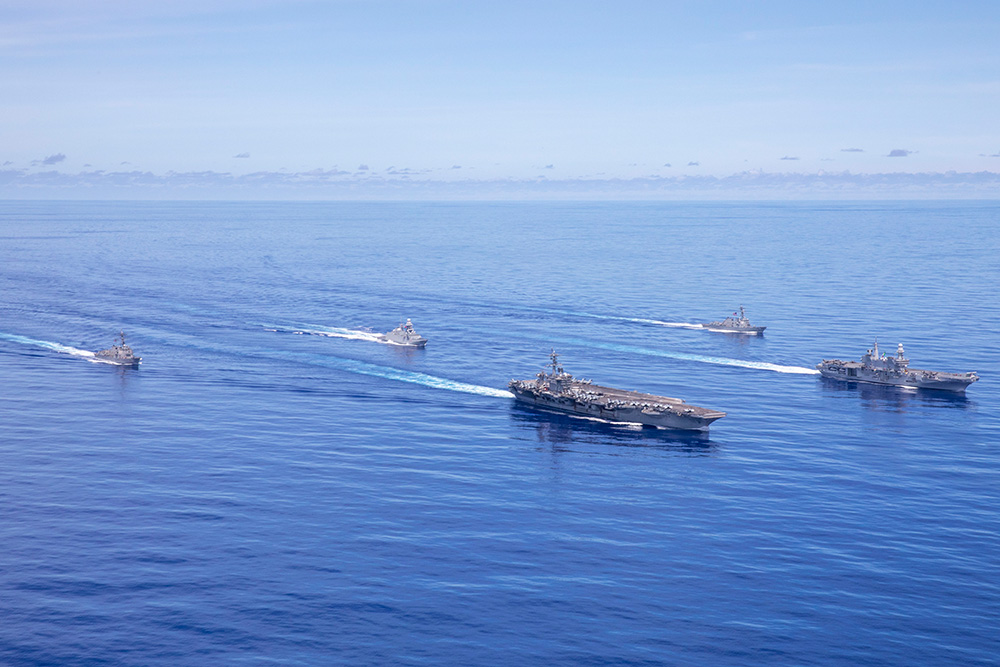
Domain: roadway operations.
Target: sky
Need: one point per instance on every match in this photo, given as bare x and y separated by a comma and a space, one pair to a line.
477, 91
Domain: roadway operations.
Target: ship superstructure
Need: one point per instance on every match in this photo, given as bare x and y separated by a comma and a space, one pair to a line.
735, 324
119, 353
404, 335
555, 389
879, 368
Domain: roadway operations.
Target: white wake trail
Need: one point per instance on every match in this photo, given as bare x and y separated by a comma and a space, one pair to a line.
617, 318
679, 325
329, 332
422, 378
386, 372
722, 361
49, 345
389, 373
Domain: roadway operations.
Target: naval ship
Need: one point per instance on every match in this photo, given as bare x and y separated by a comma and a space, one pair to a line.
404, 335
556, 389
733, 324
119, 353
881, 369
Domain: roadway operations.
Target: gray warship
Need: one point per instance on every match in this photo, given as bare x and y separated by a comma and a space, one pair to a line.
404, 335
878, 368
733, 324
119, 353
556, 389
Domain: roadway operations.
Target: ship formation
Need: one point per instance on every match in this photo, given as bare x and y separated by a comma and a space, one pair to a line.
878, 368
119, 353
556, 389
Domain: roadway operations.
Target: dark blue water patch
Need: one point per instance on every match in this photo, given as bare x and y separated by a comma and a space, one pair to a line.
246, 496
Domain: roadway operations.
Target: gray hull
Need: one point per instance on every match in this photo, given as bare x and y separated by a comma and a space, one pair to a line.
134, 362
750, 331
615, 405
915, 379
117, 357
409, 341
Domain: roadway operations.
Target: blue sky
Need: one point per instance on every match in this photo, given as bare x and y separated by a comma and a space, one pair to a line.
445, 90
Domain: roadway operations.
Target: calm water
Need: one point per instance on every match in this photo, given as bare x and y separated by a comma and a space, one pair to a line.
253, 495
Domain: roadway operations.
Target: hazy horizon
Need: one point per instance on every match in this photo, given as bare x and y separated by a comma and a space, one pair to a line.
349, 98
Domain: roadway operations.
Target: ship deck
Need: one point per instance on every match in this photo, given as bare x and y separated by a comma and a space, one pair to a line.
610, 393
915, 371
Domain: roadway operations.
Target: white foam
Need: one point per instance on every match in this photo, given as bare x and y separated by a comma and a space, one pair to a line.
441, 383
679, 325
386, 372
57, 347
618, 318
723, 361
329, 332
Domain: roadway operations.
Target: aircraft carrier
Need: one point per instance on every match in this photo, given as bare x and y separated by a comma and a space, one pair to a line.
555, 389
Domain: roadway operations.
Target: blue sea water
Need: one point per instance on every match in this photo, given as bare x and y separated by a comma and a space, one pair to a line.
272, 487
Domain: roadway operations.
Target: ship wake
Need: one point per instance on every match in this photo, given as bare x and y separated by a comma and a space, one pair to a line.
616, 318
374, 370
722, 361
328, 332
678, 325
50, 345
413, 377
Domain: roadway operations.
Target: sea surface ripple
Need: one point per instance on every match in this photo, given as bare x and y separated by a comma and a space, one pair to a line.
253, 496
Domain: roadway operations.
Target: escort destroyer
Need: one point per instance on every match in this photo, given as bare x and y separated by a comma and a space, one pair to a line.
734, 324
404, 335
119, 353
555, 389
878, 368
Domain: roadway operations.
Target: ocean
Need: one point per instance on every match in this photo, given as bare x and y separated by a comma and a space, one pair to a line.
275, 486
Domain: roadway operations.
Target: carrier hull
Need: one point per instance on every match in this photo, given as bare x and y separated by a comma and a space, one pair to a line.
559, 391
658, 419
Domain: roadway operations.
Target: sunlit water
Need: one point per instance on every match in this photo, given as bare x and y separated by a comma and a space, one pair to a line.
274, 485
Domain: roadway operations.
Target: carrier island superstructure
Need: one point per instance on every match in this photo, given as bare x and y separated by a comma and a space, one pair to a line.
555, 389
